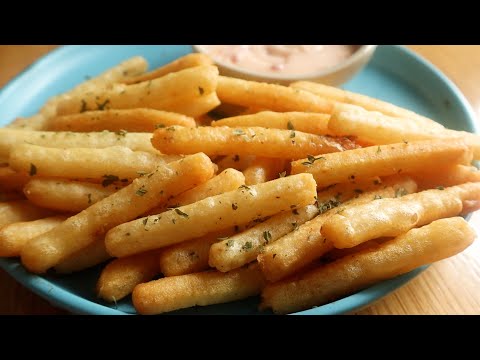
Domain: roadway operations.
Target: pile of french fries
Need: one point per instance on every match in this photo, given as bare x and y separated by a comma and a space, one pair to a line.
197, 189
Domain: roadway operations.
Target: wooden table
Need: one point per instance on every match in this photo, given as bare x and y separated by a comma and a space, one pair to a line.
451, 286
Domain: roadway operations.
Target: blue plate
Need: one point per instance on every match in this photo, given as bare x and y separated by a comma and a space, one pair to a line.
395, 74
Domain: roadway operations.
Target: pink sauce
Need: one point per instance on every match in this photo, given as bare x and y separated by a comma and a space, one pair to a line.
281, 59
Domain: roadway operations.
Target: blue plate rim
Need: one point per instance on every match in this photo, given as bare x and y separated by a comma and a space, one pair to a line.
79, 305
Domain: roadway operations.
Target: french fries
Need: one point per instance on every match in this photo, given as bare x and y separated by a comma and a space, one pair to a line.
91, 255
20, 210
211, 214
272, 143
312, 123
446, 176
263, 169
383, 160
206, 288
135, 120
79, 231
436, 241
115, 162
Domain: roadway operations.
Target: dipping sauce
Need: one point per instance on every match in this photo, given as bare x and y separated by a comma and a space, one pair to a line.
281, 59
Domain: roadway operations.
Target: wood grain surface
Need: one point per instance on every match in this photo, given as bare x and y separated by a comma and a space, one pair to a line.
451, 286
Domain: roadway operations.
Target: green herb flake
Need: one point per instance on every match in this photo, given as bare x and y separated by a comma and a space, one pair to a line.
181, 213
144, 221
312, 159
33, 170
267, 236
400, 192
244, 187
440, 187
109, 179
159, 126
282, 174
327, 205
229, 243
101, 106
377, 197
140, 192
247, 246
238, 132
200, 90
171, 128
121, 133
295, 226
234, 206
292, 134
290, 126
379, 150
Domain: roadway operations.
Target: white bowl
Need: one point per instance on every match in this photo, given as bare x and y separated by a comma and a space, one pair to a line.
335, 75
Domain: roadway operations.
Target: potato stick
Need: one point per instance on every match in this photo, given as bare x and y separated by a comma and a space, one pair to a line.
139, 120
298, 249
196, 107
263, 169
272, 143
368, 103
19, 211
66, 195
312, 123
227, 180
11, 180
243, 248
113, 162
14, 236
205, 288
390, 217
436, 241
270, 96
238, 162
120, 276
9, 138
187, 61
446, 176
165, 93
211, 214
144, 193
383, 160
376, 129
94, 254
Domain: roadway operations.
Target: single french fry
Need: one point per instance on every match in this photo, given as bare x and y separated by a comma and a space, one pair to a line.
272, 143
20, 211
168, 93
14, 236
312, 123
300, 248
11, 180
383, 160
144, 193
368, 103
196, 107
436, 241
227, 180
66, 195
238, 162
187, 61
243, 248
120, 276
390, 217
10, 138
205, 288
113, 162
270, 96
263, 169
93, 254
211, 214
136, 120
446, 176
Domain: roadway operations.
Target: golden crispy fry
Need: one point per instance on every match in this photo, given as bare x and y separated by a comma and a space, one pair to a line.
436, 241
144, 193
120, 276
169, 93
139, 120
243, 248
10, 138
270, 96
94, 254
383, 160
11, 180
390, 217
238, 162
312, 123
66, 195
114, 162
206, 288
14, 236
272, 143
19, 211
227, 180
263, 169
187, 61
211, 214
298, 249
446, 176
368, 103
